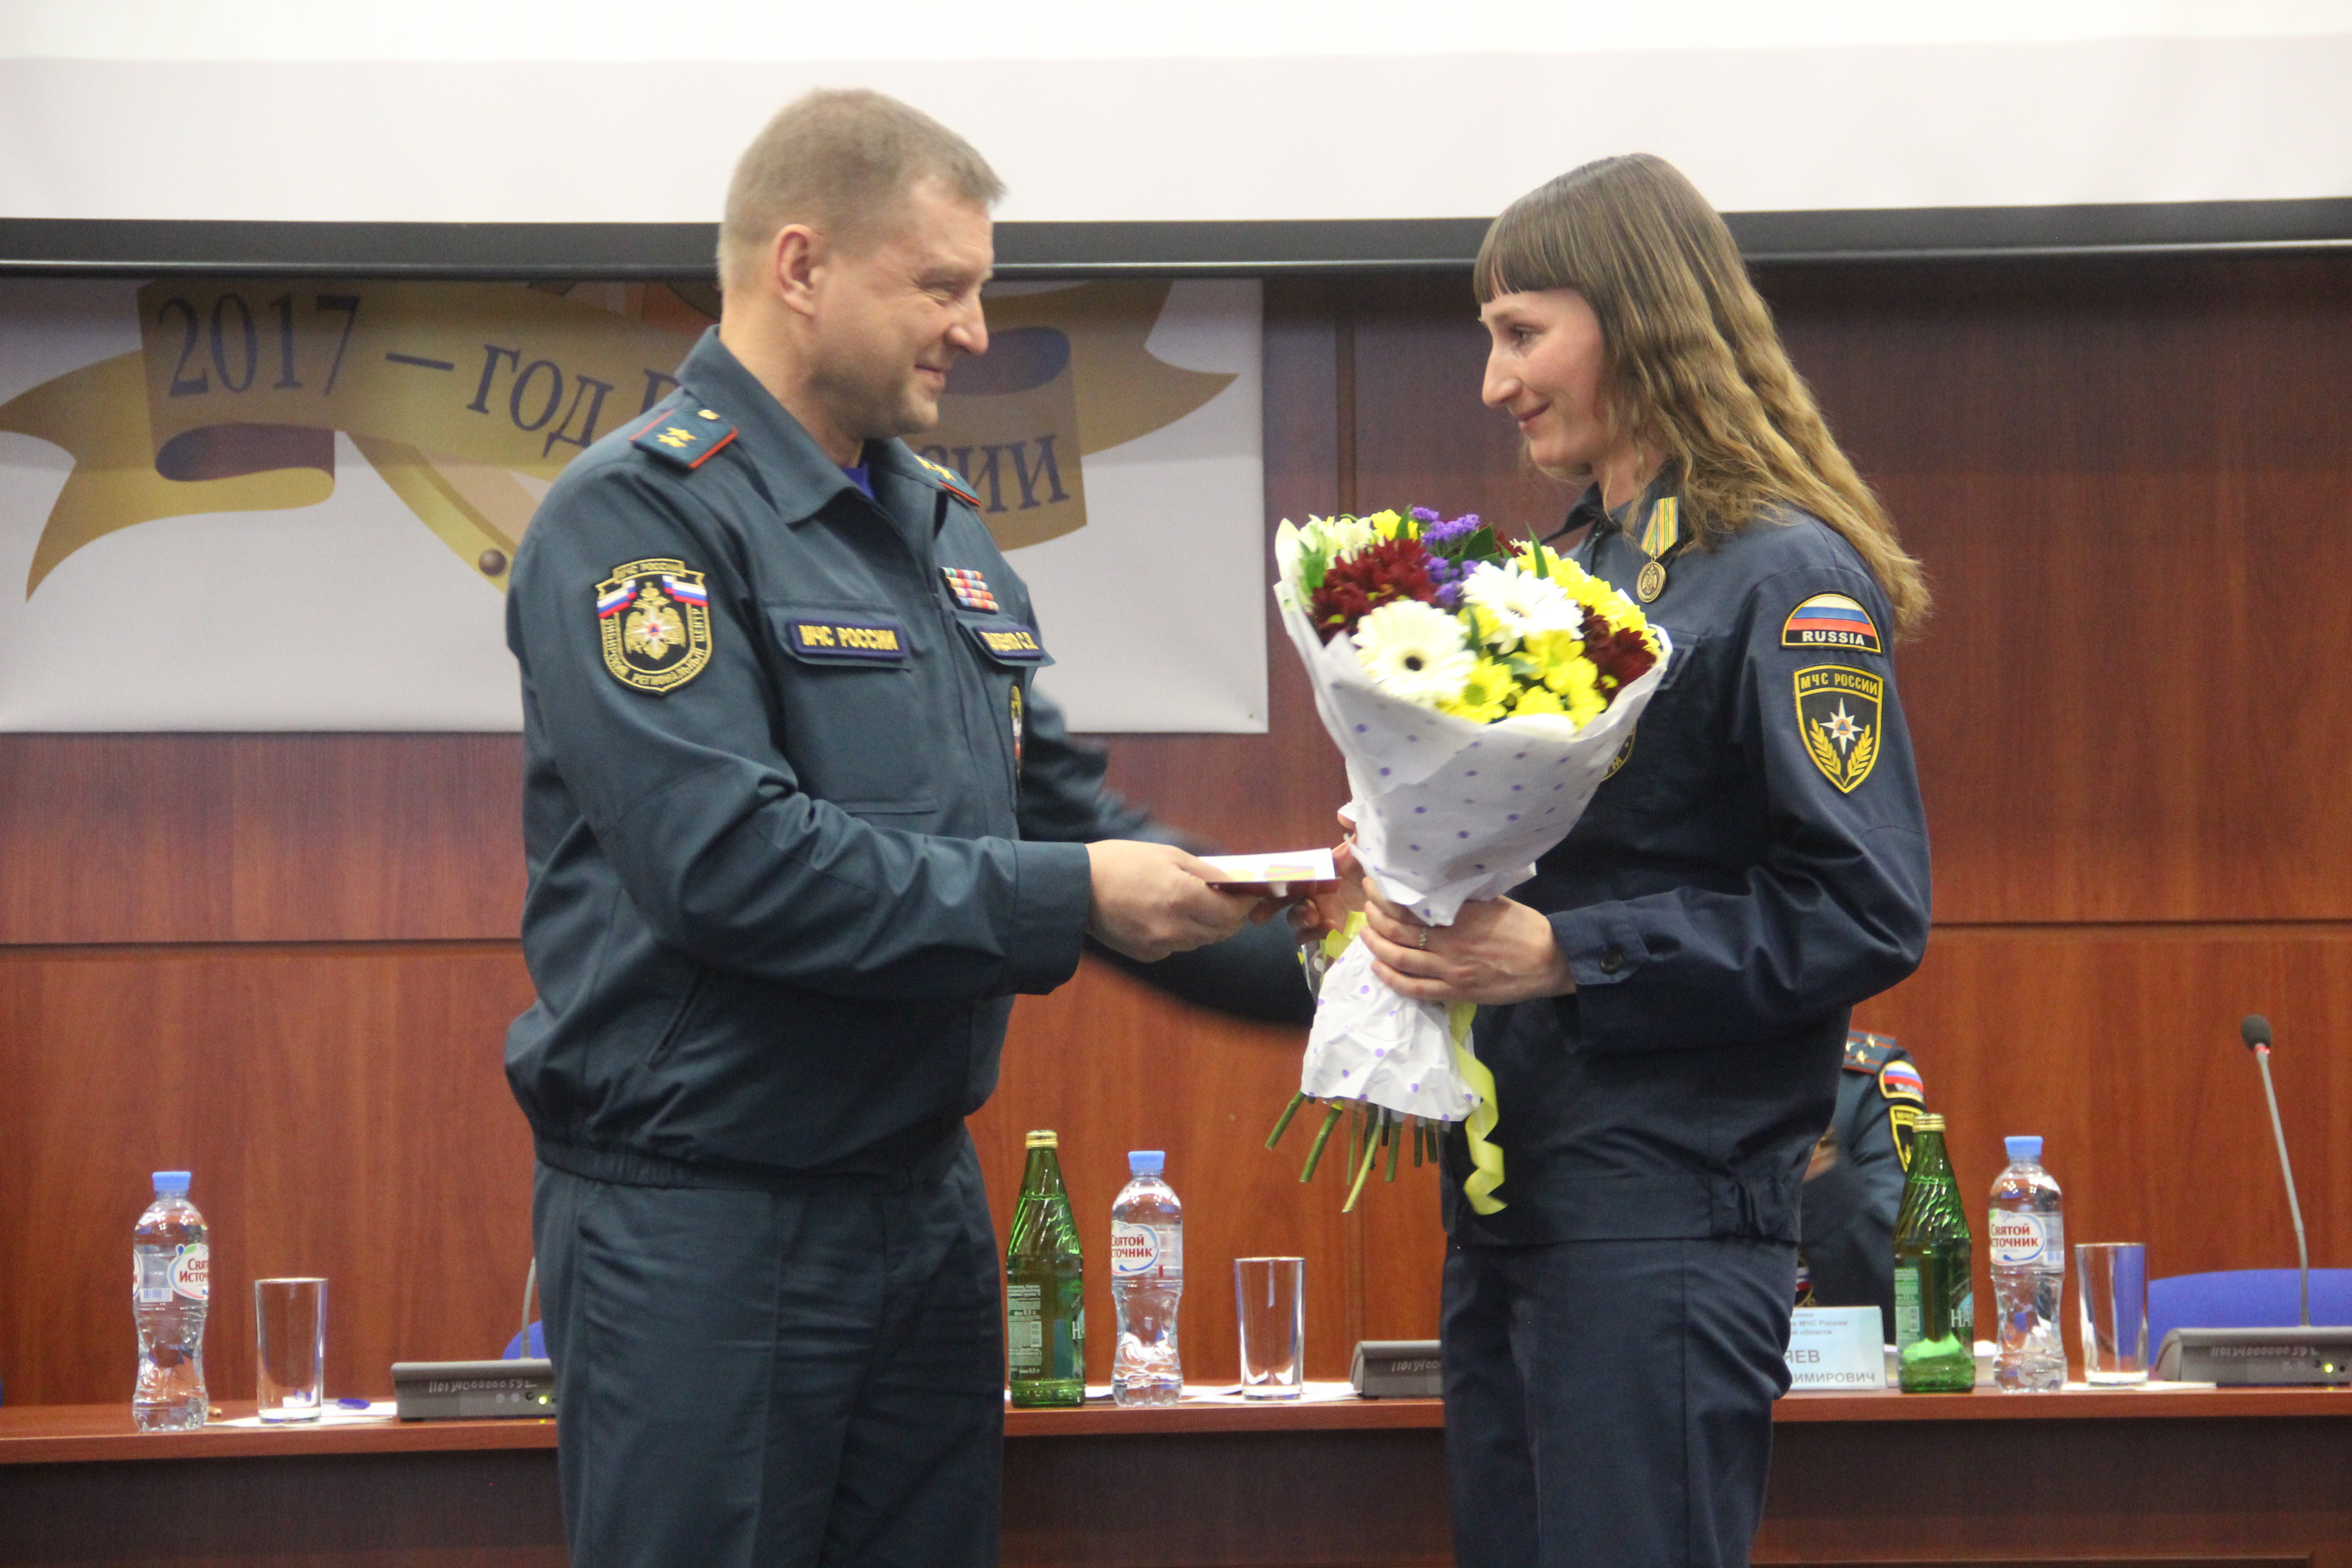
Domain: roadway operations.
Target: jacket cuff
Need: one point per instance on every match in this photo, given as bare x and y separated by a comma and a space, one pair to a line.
1053, 894
1603, 949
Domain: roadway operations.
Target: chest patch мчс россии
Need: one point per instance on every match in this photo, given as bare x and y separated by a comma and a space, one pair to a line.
1838, 714
654, 616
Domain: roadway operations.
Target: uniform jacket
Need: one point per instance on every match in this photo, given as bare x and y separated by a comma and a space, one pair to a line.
1756, 864
1850, 1208
792, 851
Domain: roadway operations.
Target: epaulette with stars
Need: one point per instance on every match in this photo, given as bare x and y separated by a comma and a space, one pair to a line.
685, 438
949, 481
1866, 1052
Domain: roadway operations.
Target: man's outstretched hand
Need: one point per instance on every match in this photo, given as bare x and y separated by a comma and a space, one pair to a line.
1152, 900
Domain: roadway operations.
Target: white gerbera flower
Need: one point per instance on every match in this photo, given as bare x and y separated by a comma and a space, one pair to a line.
1519, 604
1415, 651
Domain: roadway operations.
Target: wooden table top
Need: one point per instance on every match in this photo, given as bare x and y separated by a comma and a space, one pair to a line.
64, 1434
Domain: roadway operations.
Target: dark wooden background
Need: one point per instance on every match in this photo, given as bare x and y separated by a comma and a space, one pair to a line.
287, 961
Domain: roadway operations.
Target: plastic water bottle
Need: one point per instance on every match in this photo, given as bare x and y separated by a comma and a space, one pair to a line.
1146, 1282
171, 1280
2028, 1272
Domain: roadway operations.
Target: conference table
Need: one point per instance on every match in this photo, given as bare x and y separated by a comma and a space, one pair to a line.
2180, 1476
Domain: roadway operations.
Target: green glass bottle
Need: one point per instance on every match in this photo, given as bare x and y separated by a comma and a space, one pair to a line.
1935, 1300
1045, 1287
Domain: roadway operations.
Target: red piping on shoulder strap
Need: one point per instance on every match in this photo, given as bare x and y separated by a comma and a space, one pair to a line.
715, 450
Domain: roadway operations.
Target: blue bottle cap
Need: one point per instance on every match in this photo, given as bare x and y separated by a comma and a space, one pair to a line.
1145, 1162
172, 1182
2024, 1151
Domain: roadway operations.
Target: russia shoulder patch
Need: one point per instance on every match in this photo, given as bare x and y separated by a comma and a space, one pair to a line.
1900, 1081
949, 481
684, 438
1831, 620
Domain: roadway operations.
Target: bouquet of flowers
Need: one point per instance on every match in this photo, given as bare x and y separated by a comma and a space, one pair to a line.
1479, 690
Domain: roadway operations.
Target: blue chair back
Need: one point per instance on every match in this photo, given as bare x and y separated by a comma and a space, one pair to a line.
536, 1336
2243, 1298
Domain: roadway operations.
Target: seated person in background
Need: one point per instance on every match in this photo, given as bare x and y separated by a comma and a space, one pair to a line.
1854, 1187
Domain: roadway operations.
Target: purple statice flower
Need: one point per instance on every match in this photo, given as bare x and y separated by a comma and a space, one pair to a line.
1435, 535
1423, 514
1446, 575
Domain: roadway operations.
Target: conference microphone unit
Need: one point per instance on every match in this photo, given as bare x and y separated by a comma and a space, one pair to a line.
2303, 1355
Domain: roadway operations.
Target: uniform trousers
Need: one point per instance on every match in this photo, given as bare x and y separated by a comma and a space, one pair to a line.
1610, 1403
813, 1377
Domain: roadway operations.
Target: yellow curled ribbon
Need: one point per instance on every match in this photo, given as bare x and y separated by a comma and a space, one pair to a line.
1486, 1158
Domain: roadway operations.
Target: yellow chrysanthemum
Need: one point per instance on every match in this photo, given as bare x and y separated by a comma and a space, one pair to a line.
1385, 523
1484, 696
1539, 700
1583, 706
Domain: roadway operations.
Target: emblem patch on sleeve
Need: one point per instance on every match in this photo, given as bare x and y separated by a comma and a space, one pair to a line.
1902, 1122
655, 616
1831, 620
1838, 712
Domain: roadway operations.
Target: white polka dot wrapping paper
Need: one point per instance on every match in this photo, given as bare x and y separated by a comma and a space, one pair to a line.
1446, 811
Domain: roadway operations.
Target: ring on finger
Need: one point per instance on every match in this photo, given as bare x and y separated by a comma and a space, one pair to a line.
1423, 944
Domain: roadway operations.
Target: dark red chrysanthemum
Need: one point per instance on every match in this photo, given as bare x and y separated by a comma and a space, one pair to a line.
1352, 589
1617, 652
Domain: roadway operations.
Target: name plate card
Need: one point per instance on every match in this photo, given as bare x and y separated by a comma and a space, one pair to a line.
1836, 1348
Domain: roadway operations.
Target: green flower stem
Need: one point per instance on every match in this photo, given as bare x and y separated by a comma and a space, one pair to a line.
1371, 1148
1288, 1111
1393, 1136
1316, 1154
1419, 1128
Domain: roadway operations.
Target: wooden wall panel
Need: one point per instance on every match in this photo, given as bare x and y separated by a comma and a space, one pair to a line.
125, 838
2128, 482
1422, 436
343, 1109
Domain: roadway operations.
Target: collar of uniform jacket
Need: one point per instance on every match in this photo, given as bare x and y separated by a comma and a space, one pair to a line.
807, 482
1587, 511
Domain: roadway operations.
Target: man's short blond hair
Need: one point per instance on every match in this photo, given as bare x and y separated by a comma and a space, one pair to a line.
842, 161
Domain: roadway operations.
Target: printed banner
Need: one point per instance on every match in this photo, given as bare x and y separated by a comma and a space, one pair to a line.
200, 450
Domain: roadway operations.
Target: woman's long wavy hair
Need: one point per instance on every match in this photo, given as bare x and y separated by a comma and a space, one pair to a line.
1693, 369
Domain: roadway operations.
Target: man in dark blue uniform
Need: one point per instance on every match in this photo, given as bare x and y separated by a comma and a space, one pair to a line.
1853, 1183
799, 829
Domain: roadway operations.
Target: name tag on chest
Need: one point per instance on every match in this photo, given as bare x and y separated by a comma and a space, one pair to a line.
1006, 642
1836, 1347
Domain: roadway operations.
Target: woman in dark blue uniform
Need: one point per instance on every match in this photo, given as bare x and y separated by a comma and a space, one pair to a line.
1665, 1006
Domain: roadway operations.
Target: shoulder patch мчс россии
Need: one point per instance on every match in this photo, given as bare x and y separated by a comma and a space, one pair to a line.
1838, 714
654, 616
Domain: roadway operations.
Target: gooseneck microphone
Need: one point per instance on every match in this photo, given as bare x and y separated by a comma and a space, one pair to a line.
2255, 1030
2304, 1356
